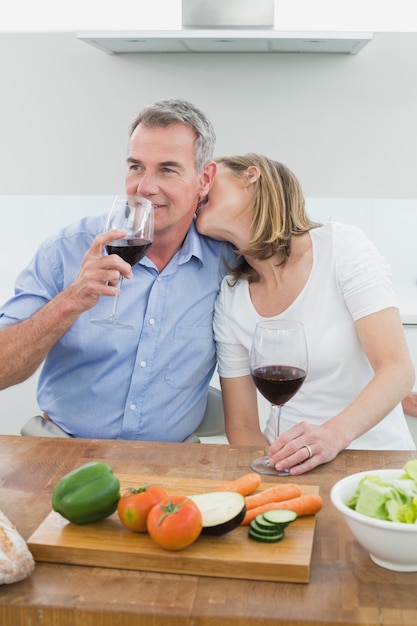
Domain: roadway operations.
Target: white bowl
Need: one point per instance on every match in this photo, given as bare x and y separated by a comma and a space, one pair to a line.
392, 545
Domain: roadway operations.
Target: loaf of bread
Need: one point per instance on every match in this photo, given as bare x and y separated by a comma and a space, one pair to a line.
16, 560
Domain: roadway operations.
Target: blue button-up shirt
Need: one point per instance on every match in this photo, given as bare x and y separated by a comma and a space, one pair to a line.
150, 383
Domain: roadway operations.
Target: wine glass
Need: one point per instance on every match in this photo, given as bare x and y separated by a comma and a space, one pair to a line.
134, 214
278, 366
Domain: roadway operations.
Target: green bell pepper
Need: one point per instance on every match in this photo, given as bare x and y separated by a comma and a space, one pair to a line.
87, 494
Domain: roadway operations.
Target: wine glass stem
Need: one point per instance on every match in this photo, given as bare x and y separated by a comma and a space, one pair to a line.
116, 297
277, 410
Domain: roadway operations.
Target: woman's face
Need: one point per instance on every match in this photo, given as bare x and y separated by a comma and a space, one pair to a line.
228, 209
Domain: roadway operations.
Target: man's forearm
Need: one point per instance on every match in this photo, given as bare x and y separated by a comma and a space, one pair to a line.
23, 346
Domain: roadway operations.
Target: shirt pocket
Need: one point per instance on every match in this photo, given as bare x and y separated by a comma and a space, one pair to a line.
192, 356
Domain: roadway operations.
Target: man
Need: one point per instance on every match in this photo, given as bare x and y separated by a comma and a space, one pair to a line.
150, 383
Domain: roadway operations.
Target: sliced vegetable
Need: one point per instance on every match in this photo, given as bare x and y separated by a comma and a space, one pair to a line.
306, 504
222, 511
261, 521
280, 516
265, 538
269, 527
276, 493
272, 529
245, 484
87, 494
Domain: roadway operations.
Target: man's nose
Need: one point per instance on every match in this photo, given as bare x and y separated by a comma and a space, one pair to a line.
147, 185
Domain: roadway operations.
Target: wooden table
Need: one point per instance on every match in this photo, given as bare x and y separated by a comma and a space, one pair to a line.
345, 587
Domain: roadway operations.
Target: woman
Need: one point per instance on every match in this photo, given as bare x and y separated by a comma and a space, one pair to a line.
332, 279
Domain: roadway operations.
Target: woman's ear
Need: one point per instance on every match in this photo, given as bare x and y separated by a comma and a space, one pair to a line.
252, 174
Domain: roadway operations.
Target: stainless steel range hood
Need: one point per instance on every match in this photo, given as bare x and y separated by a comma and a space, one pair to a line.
228, 13
232, 26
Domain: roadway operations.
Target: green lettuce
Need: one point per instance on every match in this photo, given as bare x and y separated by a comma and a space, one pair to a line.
410, 468
392, 499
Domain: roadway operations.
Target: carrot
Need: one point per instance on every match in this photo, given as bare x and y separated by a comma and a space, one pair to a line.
306, 504
245, 484
277, 493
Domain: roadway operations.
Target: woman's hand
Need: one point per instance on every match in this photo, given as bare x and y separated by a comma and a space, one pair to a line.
303, 447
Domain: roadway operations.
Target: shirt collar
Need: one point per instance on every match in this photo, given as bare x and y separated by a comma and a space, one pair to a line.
191, 246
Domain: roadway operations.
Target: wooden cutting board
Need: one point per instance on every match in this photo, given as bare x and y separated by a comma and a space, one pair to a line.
233, 555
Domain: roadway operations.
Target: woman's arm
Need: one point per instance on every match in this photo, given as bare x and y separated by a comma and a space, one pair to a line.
241, 411
383, 340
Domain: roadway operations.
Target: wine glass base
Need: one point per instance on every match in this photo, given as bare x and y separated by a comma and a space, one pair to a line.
262, 466
112, 321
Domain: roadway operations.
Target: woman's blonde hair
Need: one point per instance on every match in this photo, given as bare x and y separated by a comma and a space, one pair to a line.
278, 211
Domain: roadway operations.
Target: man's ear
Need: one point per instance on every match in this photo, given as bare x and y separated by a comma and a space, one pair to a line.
207, 177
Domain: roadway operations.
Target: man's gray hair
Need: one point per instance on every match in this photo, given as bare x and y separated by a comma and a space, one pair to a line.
167, 112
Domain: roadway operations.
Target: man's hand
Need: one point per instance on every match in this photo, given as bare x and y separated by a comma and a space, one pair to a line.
98, 275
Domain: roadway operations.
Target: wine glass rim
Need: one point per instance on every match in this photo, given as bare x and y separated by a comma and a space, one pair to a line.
124, 198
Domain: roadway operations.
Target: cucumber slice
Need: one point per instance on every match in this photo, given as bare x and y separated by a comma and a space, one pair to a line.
265, 538
261, 530
280, 516
261, 521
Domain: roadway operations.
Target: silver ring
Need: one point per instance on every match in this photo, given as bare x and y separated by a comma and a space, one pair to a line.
307, 447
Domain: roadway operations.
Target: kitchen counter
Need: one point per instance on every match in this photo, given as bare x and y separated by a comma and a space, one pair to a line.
345, 586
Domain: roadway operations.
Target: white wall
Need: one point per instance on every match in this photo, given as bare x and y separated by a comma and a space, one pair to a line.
346, 124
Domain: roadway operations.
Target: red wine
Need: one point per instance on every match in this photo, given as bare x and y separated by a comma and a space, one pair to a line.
278, 383
131, 250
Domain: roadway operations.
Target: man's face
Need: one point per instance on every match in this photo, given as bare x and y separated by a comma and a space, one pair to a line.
161, 167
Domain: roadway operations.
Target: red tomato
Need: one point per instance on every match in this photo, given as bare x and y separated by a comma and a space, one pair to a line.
175, 523
135, 504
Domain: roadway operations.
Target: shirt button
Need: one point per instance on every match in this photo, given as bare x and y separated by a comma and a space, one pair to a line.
143, 363
152, 321
132, 407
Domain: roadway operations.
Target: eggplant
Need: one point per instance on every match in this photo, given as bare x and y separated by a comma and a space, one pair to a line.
222, 511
